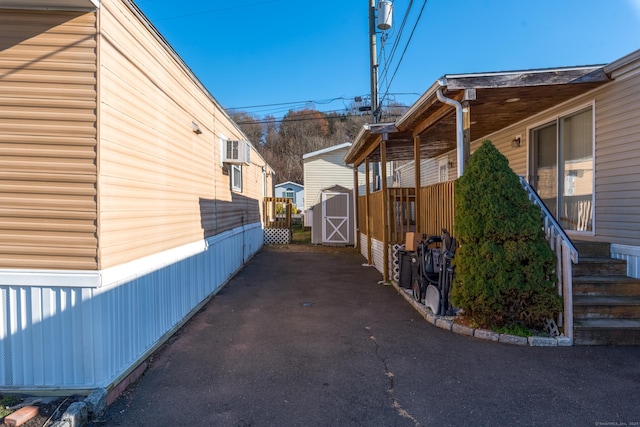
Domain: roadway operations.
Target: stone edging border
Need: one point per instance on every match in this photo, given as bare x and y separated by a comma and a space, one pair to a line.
445, 323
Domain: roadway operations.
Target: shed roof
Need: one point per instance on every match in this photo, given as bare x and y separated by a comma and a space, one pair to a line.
501, 99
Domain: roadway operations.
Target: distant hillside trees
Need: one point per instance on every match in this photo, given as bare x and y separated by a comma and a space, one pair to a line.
283, 142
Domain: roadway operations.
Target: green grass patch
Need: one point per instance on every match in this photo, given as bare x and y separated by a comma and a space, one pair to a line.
514, 329
301, 235
7, 401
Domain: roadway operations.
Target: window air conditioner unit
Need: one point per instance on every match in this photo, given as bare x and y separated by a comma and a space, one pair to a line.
236, 152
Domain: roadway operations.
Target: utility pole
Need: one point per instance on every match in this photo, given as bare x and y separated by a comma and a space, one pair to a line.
373, 61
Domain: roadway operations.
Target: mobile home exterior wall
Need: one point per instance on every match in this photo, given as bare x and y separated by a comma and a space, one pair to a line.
48, 143
120, 220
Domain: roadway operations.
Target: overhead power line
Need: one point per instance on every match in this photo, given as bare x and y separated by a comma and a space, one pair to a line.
302, 104
415, 25
300, 119
325, 101
396, 42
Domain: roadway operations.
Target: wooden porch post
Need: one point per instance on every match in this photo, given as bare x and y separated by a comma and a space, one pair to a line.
385, 207
356, 195
367, 211
469, 95
416, 159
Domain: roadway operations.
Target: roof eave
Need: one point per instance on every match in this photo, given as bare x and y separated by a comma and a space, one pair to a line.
79, 5
404, 121
326, 150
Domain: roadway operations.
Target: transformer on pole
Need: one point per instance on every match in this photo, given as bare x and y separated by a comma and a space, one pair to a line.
385, 17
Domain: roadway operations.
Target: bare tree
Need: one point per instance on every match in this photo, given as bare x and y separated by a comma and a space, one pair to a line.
283, 143
250, 125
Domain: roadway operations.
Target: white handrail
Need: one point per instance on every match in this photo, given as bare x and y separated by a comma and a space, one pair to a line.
566, 253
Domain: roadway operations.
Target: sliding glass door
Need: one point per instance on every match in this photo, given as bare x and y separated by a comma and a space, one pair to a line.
562, 168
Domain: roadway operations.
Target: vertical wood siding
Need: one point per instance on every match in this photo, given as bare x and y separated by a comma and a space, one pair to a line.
48, 140
437, 205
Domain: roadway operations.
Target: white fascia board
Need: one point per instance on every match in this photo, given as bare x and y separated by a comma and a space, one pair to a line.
326, 150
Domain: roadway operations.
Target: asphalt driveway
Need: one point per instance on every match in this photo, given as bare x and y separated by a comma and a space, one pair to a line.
310, 338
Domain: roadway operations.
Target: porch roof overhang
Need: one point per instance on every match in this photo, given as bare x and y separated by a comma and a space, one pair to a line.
50, 4
496, 100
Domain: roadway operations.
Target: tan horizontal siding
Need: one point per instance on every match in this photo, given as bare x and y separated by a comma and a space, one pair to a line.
48, 140
160, 184
23, 258
618, 160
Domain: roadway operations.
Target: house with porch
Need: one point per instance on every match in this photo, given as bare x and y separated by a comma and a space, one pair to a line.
293, 191
128, 196
571, 133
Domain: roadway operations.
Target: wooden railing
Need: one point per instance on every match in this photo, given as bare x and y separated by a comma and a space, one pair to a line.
566, 253
437, 212
402, 213
276, 212
436, 208
376, 223
362, 214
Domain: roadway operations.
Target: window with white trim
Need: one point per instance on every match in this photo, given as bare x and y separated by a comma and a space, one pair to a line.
235, 173
290, 194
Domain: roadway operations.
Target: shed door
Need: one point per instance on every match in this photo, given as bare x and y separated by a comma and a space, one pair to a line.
335, 218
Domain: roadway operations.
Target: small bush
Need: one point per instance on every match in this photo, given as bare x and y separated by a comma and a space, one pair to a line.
504, 266
281, 208
5, 402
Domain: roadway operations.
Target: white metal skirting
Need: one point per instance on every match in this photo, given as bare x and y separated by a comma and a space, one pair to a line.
84, 337
364, 247
631, 254
377, 252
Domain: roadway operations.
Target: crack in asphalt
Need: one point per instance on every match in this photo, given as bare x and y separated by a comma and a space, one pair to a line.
390, 391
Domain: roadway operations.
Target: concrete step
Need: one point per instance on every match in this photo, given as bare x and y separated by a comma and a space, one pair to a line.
606, 286
593, 249
606, 332
600, 267
606, 307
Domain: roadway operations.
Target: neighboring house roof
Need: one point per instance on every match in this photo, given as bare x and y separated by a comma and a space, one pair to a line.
326, 150
51, 4
496, 100
289, 183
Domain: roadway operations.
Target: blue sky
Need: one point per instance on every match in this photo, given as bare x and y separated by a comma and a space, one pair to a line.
251, 53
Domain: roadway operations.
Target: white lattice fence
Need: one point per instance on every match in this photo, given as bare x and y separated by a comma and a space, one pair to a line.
395, 261
277, 236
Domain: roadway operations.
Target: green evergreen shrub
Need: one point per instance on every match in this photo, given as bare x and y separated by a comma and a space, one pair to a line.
504, 266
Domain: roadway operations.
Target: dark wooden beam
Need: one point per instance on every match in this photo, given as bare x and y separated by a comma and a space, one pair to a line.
356, 192
367, 212
466, 133
360, 158
440, 113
